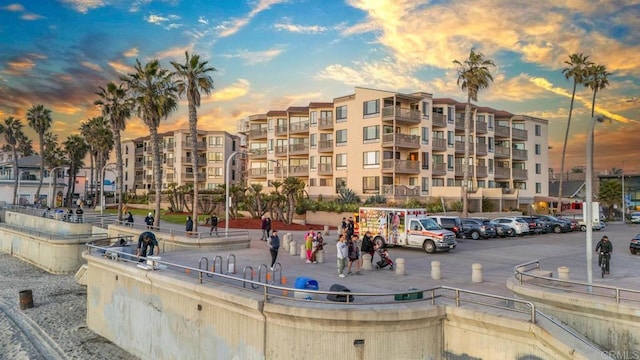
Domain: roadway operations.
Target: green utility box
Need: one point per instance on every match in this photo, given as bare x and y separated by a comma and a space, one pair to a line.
415, 295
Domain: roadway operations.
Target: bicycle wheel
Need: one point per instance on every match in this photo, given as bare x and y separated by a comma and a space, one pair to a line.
603, 266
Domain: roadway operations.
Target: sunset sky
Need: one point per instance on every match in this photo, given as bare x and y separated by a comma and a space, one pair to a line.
272, 54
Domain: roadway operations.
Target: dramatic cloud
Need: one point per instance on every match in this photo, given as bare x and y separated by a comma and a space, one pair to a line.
229, 28
19, 66
121, 67
133, 52
236, 90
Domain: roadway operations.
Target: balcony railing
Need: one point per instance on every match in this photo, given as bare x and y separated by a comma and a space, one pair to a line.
401, 115
401, 190
281, 130
325, 169
481, 171
502, 152
299, 149
459, 170
258, 153
439, 144
199, 145
439, 168
170, 178
325, 146
148, 178
519, 134
459, 145
299, 170
502, 131
519, 154
481, 127
170, 161
258, 172
258, 133
189, 176
401, 140
281, 150
481, 149
439, 120
325, 123
401, 166
519, 174
299, 127
502, 172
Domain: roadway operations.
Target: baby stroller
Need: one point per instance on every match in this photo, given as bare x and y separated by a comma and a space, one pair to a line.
385, 260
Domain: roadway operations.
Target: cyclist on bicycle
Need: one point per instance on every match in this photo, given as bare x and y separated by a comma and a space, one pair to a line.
604, 248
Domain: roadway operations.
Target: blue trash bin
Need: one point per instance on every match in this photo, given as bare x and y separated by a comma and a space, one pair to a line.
305, 283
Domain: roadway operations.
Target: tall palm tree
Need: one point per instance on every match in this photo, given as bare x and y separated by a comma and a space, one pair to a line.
597, 78
154, 95
39, 119
99, 139
577, 70
473, 76
12, 130
53, 157
76, 149
116, 108
193, 78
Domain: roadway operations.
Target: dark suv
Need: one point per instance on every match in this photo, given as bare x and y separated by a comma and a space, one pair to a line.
451, 223
476, 229
554, 224
536, 226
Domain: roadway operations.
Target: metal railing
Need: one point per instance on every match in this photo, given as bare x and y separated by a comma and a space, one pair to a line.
523, 272
61, 214
49, 235
189, 234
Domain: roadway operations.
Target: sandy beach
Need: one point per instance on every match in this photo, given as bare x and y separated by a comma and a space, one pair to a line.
55, 328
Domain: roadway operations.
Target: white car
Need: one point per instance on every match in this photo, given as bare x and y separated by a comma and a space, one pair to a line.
635, 217
519, 227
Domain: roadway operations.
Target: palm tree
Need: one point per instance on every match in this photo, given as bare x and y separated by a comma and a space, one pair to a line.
76, 149
12, 130
53, 157
154, 95
597, 78
578, 64
99, 139
116, 108
193, 78
39, 119
473, 76
293, 189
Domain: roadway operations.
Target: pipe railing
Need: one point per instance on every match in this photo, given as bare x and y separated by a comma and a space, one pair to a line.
189, 234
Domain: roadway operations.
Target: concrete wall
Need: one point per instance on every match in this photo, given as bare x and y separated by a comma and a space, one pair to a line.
46, 225
167, 315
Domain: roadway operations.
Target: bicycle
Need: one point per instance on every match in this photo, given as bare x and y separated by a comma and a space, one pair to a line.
604, 262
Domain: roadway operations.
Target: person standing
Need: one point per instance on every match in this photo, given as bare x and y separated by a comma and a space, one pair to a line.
343, 225
149, 220
367, 245
342, 254
147, 242
268, 227
264, 224
129, 218
350, 228
309, 238
274, 246
189, 225
213, 221
318, 245
354, 255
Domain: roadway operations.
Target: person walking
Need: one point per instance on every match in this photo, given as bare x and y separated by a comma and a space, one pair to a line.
213, 221
342, 254
189, 225
147, 242
317, 246
309, 238
149, 220
353, 253
129, 219
264, 225
274, 246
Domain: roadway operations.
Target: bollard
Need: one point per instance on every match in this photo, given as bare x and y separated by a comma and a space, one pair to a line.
366, 262
326, 230
320, 256
303, 251
26, 299
400, 266
292, 248
563, 273
435, 270
476, 273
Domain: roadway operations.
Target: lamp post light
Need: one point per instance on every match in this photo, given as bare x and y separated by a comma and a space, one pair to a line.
53, 172
589, 201
102, 205
227, 179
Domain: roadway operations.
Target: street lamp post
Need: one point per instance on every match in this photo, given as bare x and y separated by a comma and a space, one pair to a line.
227, 179
102, 205
18, 190
55, 178
589, 201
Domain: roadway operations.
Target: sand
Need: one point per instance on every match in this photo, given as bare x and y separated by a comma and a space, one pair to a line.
55, 328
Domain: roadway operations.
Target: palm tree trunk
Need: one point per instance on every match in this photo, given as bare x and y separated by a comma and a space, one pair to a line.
93, 184
193, 126
564, 149
465, 166
17, 179
119, 165
41, 137
67, 201
155, 147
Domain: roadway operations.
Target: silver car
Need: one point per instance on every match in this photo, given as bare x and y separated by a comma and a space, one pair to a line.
519, 227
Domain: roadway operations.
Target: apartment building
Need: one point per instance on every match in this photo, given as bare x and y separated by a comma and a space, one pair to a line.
214, 149
400, 146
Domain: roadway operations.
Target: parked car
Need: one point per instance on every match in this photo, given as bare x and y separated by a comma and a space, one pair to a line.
635, 217
501, 229
634, 245
535, 225
596, 225
519, 227
451, 223
554, 224
476, 229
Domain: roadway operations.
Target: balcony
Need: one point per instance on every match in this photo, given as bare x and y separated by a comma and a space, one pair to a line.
502, 152
258, 173
438, 144
401, 115
401, 141
459, 170
481, 149
502, 172
260, 153
325, 146
138, 179
170, 178
459, 124
400, 190
299, 149
325, 123
186, 160
501, 131
481, 171
281, 130
299, 128
481, 127
281, 150
148, 178
200, 145
519, 134
519, 154
255, 134
439, 168
459, 145
519, 174
401, 166
170, 161
139, 151
188, 176
438, 120
139, 164
299, 170
325, 169
169, 146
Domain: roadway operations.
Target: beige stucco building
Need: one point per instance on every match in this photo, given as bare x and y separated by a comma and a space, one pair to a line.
401, 146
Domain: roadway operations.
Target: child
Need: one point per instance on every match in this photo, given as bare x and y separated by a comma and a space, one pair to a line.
308, 244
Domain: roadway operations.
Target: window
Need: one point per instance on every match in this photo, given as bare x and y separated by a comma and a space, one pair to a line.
341, 137
492, 144
371, 159
425, 109
538, 152
538, 188
490, 122
370, 184
371, 107
451, 182
490, 166
371, 133
313, 140
341, 183
538, 169
425, 136
450, 162
520, 185
425, 185
214, 157
450, 115
341, 161
214, 173
538, 130
313, 118
312, 163
215, 141
437, 182
480, 118
482, 183
341, 113
450, 138
425, 160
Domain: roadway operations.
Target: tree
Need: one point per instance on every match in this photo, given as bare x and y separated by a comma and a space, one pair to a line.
596, 79
99, 138
154, 96
193, 78
609, 194
53, 157
39, 119
75, 149
293, 189
473, 76
12, 130
116, 108
578, 64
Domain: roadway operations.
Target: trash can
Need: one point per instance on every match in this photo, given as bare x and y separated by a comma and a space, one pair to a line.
305, 283
337, 297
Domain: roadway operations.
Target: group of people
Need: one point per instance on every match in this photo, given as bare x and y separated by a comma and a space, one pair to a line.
313, 242
349, 251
